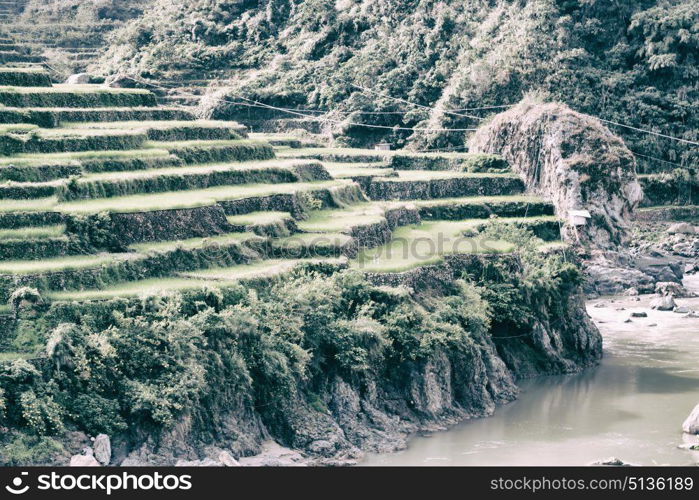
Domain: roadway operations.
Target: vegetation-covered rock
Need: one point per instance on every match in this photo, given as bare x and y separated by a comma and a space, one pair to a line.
572, 159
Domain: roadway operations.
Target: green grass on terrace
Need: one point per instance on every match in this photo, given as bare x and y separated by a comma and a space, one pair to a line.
32, 232
187, 281
345, 170
31, 205
373, 152
426, 243
259, 218
190, 199
263, 268
157, 124
65, 88
335, 151
427, 175
193, 169
24, 69
191, 243
85, 132
60, 263
132, 289
312, 240
51, 158
17, 128
170, 145
474, 200
360, 214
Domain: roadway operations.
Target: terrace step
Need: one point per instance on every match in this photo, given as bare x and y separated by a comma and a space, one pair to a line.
54, 117
266, 223
14, 56
125, 183
24, 77
430, 242
237, 197
483, 207
260, 271
69, 140
429, 185
336, 155
75, 96
173, 130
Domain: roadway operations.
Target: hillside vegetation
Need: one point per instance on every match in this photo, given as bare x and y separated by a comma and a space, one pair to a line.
629, 62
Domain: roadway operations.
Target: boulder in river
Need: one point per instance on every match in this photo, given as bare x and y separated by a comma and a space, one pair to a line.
641, 314
665, 303
691, 425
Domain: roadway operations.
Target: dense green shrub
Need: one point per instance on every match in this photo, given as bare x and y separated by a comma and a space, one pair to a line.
141, 364
678, 187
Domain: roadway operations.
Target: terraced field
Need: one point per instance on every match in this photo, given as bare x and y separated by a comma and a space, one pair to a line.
104, 193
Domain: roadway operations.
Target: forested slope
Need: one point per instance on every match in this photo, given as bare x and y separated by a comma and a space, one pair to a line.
628, 62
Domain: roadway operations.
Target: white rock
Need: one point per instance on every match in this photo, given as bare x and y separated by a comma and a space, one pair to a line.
691, 425
78, 79
227, 459
102, 449
666, 303
83, 461
207, 462
681, 228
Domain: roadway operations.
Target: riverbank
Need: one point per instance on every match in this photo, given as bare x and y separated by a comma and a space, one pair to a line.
631, 406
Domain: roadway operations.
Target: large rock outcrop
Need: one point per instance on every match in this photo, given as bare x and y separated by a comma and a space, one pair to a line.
572, 159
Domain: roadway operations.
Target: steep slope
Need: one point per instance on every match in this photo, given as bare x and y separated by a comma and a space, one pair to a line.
632, 62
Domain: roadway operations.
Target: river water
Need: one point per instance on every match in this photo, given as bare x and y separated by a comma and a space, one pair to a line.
631, 406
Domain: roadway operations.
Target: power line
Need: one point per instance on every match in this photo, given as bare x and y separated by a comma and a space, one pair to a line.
657, 159
340, 122
658, 134
415, 104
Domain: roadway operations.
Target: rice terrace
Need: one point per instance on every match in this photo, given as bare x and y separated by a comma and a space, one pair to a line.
304, 233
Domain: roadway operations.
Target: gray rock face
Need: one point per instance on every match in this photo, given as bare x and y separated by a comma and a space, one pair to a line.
665, 303
102, 449
682, 228
78, 79
691, 425
574, 160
